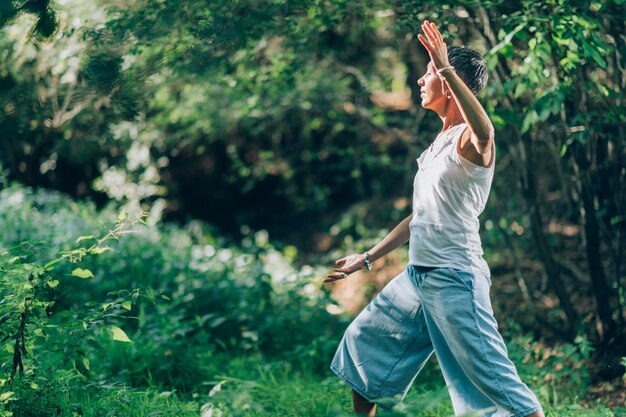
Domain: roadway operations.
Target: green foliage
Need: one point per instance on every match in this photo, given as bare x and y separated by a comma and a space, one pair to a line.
134, 87
214, 302
559, 373
39, 341
236, 329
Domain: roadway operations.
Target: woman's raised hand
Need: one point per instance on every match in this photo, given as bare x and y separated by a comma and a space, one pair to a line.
434, 44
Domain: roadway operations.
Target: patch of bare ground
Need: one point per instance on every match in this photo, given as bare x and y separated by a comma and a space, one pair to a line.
609, 393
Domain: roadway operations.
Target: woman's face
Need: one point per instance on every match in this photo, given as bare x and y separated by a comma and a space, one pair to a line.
431, 89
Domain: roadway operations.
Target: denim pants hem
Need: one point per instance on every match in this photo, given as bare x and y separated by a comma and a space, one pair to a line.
526, 412
360, 391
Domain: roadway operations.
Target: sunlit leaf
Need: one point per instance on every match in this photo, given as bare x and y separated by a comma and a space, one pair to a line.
82, 273
81, 238
51, 263
100, 249
6, 395
117, 334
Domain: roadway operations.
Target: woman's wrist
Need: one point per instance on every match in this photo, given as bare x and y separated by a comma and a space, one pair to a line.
445, 72
368, 261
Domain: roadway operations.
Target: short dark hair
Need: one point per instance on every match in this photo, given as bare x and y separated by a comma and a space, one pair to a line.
470, 65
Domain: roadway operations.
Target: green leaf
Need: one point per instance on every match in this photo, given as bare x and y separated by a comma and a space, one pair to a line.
99, 250
81, 364
6, 395
81, 238
593, 52
217, 321
127, 305
94, 344
530, 120
122, 216
117, 334
52, 262
507, 38
520, 89
82, 273
52, 283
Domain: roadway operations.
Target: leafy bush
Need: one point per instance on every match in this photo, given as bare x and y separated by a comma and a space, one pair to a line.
41, 342
215, 301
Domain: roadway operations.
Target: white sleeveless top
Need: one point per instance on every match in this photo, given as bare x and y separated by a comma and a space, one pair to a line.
449, 192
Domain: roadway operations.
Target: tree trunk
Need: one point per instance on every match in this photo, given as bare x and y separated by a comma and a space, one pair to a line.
553, 270
599, 285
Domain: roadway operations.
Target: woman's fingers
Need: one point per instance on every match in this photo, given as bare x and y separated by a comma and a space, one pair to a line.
344, 267
434, 44
335, 276
331, 278
426, 34
435, 32
424, 41
430, 35
429, 48
340, 272
431, 31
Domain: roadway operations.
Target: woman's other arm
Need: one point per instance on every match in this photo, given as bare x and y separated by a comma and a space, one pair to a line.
398, 236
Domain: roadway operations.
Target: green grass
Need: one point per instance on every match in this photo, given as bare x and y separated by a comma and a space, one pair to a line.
251, 386
265, 395
257, 389
122, 402
297, 396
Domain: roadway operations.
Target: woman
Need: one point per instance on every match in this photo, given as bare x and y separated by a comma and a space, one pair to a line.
441, 302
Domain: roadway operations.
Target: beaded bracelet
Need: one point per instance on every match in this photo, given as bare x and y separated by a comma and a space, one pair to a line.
368, 264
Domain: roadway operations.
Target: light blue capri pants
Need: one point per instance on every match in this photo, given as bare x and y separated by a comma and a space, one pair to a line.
428, 309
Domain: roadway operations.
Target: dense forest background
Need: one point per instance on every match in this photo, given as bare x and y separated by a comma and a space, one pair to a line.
179, 176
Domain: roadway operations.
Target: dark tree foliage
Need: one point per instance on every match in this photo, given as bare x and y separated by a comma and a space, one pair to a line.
45, 23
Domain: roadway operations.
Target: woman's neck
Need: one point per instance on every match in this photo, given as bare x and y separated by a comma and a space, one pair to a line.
448, 123
453, 117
